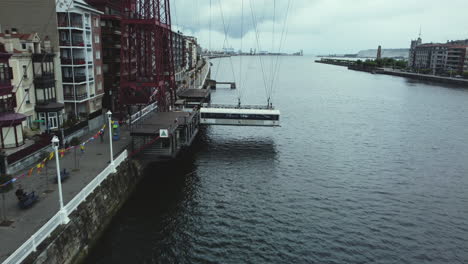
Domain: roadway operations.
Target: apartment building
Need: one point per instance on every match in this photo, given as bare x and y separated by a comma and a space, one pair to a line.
439, 57
79, 36
178, 46
34, 82
191, 49
11, 133
110, 34
457, 59
411, 56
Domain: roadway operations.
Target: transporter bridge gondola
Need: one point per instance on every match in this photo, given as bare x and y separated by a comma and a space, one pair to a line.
232, 115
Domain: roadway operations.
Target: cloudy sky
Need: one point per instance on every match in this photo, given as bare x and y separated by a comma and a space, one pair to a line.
319, 26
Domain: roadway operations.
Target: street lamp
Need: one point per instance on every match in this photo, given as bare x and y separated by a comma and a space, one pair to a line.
63, 212
109, 117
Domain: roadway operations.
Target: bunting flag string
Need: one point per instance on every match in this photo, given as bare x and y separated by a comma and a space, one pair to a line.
62, 153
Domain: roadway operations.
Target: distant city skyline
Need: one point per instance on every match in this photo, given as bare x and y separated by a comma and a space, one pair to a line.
320, 26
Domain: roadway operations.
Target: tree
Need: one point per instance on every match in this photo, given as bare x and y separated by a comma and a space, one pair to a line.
4, 189
46, 176
401, 64
75, 142
379, 62
369, 64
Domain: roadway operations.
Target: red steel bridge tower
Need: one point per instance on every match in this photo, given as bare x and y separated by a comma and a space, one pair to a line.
147, 62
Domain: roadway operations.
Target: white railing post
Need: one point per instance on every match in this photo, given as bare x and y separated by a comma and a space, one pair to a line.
109, 117
33, 240
63, 212
31, 244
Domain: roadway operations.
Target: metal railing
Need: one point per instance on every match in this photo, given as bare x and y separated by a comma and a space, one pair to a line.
225, 106
140, 114
77, 97
40, 145
46, 230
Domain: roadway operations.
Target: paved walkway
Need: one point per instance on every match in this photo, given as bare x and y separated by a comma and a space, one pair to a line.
27, 222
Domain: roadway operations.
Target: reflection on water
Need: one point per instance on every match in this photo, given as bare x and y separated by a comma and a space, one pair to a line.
364, 169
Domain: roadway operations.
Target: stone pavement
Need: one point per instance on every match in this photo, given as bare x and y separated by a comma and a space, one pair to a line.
26, 222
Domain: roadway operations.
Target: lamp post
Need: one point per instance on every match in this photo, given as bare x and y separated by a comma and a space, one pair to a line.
109, 117
64, 216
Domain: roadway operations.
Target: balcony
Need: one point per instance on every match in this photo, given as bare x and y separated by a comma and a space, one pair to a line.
78, 97
75, 42
75, 20
45, 101
78, 79
44, 81
8, 104
78, 43
73, 61
64, 42
43, 57
6, 75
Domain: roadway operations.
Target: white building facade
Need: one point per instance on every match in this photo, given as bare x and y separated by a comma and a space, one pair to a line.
81, 58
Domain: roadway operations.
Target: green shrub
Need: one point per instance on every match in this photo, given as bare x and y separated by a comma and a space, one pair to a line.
75, 141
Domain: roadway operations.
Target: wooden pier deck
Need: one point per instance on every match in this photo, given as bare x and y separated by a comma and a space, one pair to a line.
173, 130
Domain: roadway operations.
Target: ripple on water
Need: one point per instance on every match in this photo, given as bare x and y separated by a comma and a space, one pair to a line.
365, 169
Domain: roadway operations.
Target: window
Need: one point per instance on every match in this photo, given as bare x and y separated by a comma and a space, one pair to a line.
98, 55
42, 116
25, 72
53, 120
30, 121
26, 94
96, 22
96, 39
98, 70
23, 45
87, 20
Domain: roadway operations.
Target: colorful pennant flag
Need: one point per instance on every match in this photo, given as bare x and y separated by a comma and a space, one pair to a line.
62, 152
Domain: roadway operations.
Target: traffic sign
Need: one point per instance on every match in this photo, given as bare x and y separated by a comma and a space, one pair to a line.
163, 133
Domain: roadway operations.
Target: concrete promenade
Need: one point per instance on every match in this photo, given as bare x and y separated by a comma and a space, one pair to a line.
26, 222
425, 77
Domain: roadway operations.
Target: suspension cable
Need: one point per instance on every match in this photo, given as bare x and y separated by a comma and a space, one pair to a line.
175, 14
224, 45
226, 37
272, 50
254, 21
284, 34
209, 32
239, 89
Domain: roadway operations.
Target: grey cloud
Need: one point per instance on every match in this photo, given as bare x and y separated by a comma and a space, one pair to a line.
320, 26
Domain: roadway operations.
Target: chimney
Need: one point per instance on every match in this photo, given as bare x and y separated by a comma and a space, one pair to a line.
14, 31
47, 45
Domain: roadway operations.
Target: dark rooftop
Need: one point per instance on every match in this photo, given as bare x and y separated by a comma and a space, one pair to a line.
195, 93
161, 120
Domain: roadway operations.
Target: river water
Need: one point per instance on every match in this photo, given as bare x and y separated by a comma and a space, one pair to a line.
364, 169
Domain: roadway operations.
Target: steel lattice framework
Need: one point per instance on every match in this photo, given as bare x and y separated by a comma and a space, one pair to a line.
147, 60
